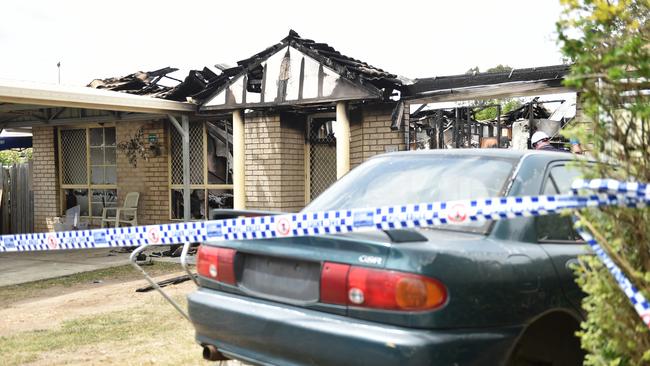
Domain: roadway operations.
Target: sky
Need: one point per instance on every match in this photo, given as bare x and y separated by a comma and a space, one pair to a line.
415, 39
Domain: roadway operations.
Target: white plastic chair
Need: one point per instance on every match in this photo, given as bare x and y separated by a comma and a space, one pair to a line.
70, 221
127, 214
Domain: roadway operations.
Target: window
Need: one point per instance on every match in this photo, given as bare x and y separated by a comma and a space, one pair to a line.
557, 228
88, 173
210, 169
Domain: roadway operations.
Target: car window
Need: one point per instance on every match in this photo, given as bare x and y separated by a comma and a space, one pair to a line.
557, 228
401, 180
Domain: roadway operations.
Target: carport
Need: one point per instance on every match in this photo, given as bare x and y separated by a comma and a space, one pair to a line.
40, 108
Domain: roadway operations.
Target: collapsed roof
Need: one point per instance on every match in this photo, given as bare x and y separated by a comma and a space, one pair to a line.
349, 68
552, 74
203, 86
147, 83
200, 85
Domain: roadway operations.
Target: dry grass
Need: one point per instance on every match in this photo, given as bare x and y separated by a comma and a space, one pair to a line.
127, 329
80, 281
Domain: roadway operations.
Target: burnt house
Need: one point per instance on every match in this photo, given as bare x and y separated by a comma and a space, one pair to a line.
270, 133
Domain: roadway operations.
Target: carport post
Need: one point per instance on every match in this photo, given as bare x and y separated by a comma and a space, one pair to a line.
498, 125
185, 134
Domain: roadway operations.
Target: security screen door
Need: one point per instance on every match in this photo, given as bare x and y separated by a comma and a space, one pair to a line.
322, 154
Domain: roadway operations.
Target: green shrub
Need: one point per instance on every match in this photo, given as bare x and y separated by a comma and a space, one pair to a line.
608, 43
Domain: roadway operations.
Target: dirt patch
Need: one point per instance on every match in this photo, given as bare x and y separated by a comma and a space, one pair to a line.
44, 313
106, 324
30, 291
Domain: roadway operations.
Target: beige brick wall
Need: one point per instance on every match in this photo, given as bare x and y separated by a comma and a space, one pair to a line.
275, 153
149, 178
45, 180
292, 135
373, 136
356, 139
274, 164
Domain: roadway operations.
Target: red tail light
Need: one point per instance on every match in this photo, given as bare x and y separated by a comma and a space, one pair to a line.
379, 289
217, 264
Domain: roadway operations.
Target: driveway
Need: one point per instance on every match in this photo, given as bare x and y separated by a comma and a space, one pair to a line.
24, 267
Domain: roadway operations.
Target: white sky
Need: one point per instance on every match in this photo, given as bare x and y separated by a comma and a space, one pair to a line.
94, 39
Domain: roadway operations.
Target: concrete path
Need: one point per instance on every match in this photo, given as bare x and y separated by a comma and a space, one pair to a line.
18, 268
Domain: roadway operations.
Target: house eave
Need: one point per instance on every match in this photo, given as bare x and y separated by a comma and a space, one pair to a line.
21, 92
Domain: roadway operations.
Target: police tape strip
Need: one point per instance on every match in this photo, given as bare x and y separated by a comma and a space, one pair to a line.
639, 302
334, 222
608, 193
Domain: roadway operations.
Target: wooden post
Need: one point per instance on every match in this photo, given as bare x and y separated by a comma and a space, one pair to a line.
498, 125
185, 120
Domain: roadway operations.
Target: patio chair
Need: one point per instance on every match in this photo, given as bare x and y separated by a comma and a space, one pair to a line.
70, 221
127, 214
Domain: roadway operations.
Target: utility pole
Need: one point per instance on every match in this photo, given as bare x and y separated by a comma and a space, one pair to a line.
58, 65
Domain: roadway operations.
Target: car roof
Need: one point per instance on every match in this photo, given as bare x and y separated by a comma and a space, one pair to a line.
496, 153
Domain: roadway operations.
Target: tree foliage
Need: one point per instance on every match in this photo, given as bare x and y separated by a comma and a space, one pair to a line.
490, 113
10, 157
507, 104
608, 43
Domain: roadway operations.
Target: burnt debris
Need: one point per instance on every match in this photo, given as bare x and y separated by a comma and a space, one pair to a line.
199, 85
552, 75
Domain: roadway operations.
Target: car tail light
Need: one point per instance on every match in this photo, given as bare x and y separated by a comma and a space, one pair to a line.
217, 264
379, 289
333, 283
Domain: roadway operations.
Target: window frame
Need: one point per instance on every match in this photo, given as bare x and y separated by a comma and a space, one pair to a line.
88, 186
204, 186
549, 178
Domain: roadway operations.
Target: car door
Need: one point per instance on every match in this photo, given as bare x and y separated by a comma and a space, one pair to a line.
556, 235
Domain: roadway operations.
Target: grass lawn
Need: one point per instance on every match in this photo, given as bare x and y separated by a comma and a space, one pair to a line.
76, 320
16, 293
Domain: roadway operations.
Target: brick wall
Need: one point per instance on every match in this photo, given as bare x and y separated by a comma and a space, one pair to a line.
149, 178
274, 164
373, 134
356, 138
263, 163
292, 135
45, 180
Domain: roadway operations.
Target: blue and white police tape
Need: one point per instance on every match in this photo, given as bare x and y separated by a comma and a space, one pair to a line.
639, 302
334, 222
607, 193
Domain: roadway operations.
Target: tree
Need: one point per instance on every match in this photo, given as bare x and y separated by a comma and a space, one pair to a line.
10, 157
490, 113
500, 68
473, 70
507, 104
608, 43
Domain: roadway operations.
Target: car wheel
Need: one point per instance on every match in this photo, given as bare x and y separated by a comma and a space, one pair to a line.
549, 341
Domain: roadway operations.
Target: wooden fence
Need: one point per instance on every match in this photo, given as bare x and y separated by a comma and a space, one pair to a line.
16, 199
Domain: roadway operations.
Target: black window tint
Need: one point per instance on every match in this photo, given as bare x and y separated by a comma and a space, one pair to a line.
557, 228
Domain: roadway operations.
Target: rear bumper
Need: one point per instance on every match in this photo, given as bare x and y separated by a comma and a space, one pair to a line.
264, 333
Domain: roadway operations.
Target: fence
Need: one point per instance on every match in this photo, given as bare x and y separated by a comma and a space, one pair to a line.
16, 199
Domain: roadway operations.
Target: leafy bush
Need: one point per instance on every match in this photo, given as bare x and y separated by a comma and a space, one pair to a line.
608, 43
10, 157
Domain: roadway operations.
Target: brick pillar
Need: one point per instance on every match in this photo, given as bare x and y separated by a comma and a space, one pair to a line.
263, 161
275, 162
149, 178
45, 181
292, 140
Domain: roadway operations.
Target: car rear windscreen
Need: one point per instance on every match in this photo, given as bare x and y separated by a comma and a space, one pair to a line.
399, 180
